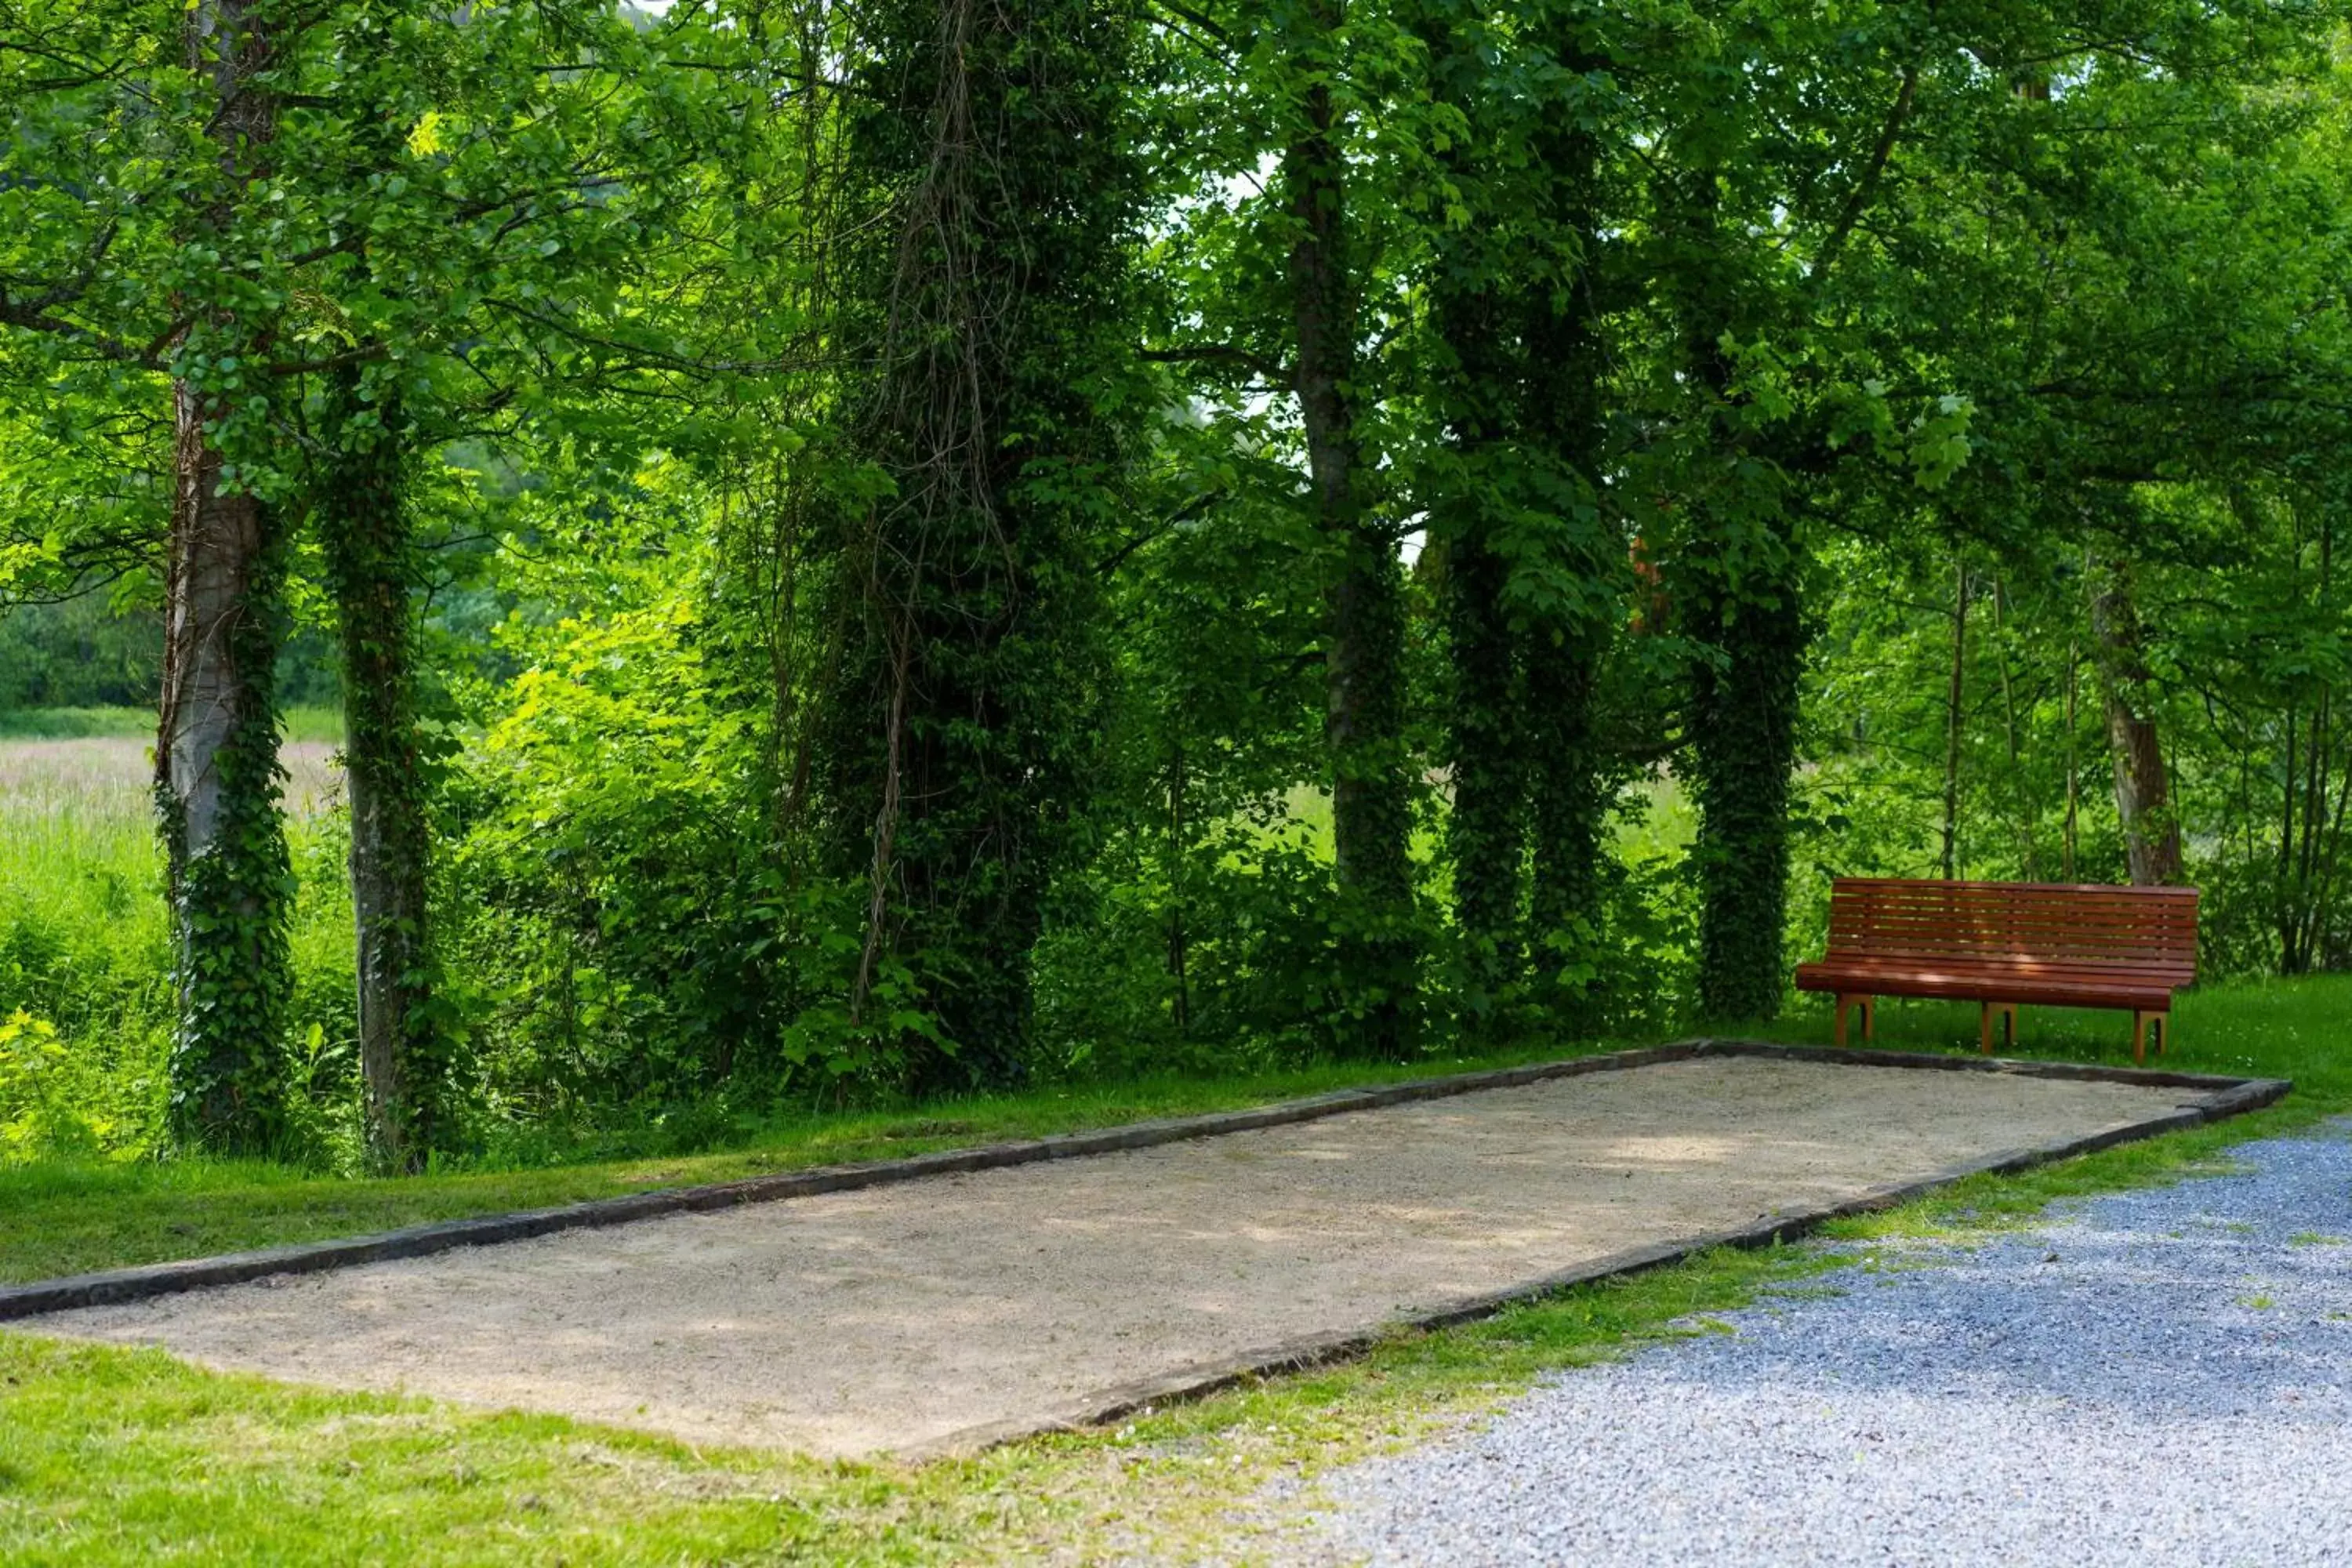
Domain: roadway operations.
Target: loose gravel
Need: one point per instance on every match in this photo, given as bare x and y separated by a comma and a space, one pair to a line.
2159, 1378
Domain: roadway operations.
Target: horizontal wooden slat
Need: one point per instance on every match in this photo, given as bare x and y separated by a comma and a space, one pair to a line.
2060, 944
2125, 926
1986, 927
2022, 892
1987, 920
2110, 974
1939, 885
2150, 996
2081, 903
1856, 976
2013, 952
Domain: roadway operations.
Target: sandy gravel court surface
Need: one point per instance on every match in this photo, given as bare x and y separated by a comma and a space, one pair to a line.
897, 1317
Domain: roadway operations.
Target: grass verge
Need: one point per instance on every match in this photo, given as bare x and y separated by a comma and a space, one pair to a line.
110, 1455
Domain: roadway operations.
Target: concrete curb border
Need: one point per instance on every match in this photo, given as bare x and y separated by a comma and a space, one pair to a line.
2218, 1098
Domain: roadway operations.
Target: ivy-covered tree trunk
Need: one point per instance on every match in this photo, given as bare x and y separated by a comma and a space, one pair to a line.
1742, 718
1743, 723
1564, 425
1567, 800
1486, 831
1486, 834
216, 770
1364, 715
961, 727
1525, 598
217, 779
362, 525
2143, 788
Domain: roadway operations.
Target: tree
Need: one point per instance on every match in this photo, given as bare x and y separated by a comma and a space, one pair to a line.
1534, 570
217, 769
983, 311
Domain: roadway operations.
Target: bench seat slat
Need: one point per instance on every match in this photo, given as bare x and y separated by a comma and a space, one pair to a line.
2007, 959
1996, 970
2050, 990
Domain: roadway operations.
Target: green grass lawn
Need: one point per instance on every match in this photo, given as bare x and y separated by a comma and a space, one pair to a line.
111, 1455
2299, 1029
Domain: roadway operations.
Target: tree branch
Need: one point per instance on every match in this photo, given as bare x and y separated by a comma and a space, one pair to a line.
1857, 200
1220, 353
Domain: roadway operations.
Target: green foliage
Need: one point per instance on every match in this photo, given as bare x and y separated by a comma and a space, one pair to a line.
960, 725
49, 1106
78, 654
1744, 753
622, 905
886, 548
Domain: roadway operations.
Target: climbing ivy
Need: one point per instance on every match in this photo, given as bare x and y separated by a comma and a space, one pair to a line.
986, 296
231, 899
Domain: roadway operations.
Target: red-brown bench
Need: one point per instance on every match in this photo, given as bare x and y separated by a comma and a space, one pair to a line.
2006, 944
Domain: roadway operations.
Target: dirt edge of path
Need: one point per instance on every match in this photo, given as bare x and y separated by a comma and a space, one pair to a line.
2221, 1097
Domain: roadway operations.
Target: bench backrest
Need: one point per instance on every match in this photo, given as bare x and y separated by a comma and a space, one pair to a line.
2135, 931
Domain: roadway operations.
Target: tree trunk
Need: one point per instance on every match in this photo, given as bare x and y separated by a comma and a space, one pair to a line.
958, 740
1744, 745
1561, 422
1485, 836
1742, 721
1179, 858
1954, 690
2073, 761
217, 768
1524, 418
1371, 793
1565, 805
2021, 802
363, 525
2143, 792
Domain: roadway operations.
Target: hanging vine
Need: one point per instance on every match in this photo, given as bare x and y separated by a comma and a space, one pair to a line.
960, 724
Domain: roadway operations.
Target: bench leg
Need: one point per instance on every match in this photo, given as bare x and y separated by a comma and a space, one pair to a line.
1870, 1017
2008, 1013
2142, 1023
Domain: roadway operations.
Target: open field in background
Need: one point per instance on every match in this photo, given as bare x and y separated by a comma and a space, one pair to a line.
302, 724
84, 942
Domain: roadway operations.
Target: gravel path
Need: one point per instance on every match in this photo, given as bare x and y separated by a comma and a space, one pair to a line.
2156, 1377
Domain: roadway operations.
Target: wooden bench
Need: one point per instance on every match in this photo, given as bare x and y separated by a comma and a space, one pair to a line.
2006, 944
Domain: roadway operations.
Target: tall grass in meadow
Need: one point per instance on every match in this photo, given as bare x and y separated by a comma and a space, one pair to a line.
85, 946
